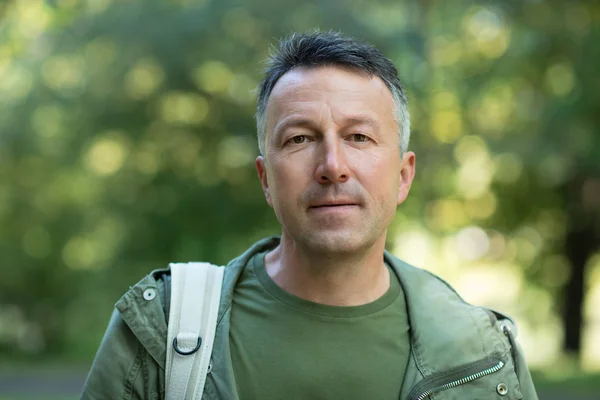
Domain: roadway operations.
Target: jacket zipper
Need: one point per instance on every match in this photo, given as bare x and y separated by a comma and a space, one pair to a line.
459, 376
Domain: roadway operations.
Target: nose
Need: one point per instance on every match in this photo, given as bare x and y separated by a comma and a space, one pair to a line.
333, 163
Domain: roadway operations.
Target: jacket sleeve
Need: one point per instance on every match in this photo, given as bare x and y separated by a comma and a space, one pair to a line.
527, 387
521, 368
117, 365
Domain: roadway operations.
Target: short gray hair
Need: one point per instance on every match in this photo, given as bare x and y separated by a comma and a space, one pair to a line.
317, 49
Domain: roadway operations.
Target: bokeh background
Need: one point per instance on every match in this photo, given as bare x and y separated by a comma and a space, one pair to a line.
127, 140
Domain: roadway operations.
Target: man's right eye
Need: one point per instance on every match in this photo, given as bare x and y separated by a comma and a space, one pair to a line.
298, 139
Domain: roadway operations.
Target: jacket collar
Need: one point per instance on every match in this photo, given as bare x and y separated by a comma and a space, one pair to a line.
146, 318
446, 332
234, 269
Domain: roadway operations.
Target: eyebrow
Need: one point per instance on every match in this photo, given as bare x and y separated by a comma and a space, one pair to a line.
364, 120
298, 121
293, 121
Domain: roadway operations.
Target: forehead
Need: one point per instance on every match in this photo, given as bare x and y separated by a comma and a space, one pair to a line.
342, 90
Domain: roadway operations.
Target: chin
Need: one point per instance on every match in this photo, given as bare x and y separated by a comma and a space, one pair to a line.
336, 243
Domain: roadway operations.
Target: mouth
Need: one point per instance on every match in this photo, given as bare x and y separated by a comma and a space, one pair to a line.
337, 207
334, 205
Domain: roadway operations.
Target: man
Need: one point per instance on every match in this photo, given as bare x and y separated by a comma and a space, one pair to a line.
323, 312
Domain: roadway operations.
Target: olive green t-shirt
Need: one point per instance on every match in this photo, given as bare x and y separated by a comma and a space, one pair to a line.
285, 347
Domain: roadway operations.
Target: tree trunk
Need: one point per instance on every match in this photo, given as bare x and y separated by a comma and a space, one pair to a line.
579, 247
581, 242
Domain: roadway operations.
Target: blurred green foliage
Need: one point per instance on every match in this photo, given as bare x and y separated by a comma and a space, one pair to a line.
127, 140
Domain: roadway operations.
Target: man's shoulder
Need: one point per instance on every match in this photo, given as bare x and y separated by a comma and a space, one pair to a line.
150, 287
433, 295
426, 281
447, 331
156, 284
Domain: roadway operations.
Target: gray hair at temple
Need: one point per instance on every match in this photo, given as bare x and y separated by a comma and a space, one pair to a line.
316, 49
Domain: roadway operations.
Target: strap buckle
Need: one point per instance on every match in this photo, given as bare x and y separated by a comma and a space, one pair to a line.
187, 353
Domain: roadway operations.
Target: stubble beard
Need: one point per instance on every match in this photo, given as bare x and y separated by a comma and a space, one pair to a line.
344, 241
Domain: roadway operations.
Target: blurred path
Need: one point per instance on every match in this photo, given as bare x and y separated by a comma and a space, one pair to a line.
32, 383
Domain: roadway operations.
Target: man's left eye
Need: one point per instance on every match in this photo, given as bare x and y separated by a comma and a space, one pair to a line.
359, 137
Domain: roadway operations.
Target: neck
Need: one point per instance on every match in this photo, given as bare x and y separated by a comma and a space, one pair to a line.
331, 279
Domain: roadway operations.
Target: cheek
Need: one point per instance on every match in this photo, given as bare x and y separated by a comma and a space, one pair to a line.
376, 170
286, 180
380, 177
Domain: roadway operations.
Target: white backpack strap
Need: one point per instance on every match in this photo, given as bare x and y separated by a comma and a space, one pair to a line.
195, 297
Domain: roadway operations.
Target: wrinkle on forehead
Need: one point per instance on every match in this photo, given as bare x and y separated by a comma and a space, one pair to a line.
330, 93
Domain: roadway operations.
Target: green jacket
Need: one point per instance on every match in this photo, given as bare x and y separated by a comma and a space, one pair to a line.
458, 351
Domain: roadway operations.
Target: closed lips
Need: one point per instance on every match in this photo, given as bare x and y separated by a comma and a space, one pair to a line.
335, 205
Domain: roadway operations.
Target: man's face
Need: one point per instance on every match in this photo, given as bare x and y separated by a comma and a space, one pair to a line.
332, 169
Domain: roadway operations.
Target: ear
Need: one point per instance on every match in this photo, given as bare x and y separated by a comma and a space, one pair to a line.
261, 171
407, 174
